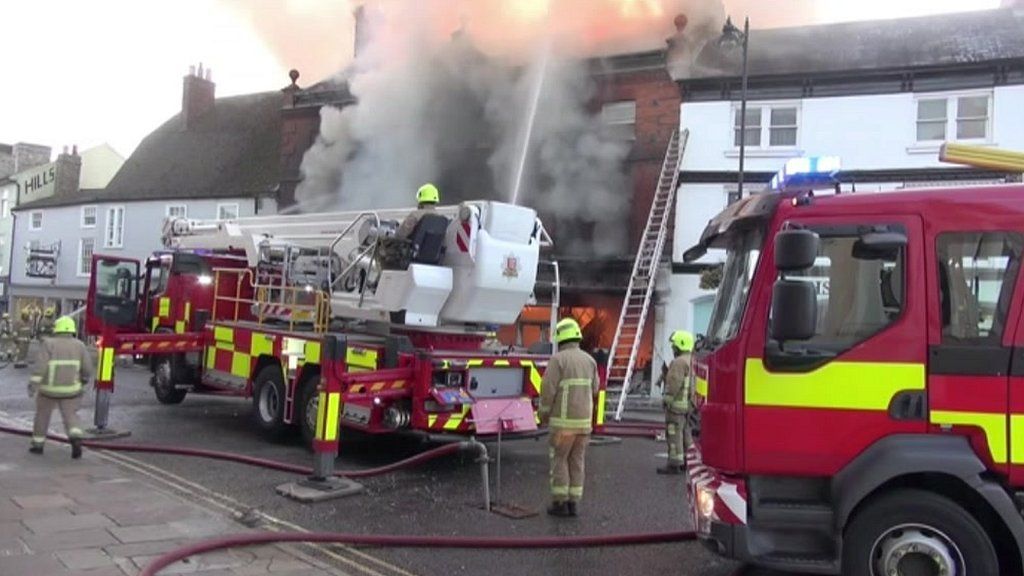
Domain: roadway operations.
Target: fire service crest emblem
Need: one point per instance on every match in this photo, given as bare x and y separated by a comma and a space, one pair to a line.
510, 265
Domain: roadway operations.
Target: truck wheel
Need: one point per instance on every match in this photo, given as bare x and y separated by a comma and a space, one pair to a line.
268, 401
163, 382
916, 533
307, 403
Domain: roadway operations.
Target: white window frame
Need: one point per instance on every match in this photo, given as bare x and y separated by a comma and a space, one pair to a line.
32, 220
169, 207
222, 206
764, 149
81, 261
110, 239
952, 113
95, 216
611, 117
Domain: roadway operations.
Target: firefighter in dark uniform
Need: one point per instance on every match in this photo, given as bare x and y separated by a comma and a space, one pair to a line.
63, 366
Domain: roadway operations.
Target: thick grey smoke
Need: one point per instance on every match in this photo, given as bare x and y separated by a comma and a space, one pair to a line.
436, 108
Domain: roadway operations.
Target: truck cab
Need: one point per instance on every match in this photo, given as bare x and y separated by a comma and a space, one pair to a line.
860, 393
169, 292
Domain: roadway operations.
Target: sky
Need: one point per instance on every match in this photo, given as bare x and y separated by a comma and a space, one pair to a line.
88, 72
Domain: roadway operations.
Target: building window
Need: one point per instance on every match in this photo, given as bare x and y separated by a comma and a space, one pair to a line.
227, 211
768, 126
954, 117
177, 211
619, 119
85, 250
114, 237
88, 216
35, 220
732, 194
977, 271
5, 204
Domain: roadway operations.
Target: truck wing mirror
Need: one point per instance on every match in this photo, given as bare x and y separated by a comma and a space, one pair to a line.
794, 310
879, 245
795, 250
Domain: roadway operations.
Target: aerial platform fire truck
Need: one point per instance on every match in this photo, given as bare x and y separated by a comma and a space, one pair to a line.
860, 388
242, 308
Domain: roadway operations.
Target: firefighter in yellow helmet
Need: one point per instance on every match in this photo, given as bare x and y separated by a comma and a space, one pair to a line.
676, 401
23, 337
568, 393
427, 198
63, 366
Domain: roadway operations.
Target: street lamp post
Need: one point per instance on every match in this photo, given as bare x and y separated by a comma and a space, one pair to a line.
733, 36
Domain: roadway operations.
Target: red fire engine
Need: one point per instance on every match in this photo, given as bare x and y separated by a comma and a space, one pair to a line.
860, 388
241, 308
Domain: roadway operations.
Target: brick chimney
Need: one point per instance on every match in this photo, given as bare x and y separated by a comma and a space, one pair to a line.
68, 172
197, 96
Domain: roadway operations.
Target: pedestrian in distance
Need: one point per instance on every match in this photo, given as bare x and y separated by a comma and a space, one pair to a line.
676, 402
63, 365
568, 392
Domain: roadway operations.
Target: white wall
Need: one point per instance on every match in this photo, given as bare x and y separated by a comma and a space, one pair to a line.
142, 231
866, 132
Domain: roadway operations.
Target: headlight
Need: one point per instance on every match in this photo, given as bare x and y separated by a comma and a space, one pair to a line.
205, 280
705, 502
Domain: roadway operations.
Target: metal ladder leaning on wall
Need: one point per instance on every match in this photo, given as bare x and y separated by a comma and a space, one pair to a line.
636, 304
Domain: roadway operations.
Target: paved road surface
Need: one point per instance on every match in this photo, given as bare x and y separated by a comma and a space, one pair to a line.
443, 498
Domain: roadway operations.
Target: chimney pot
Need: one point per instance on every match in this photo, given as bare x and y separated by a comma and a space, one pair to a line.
192, 70
74, 150
65, 150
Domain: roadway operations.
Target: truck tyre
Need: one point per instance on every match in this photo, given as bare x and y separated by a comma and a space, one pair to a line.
915, 532
268, 401
306, 404
164, 378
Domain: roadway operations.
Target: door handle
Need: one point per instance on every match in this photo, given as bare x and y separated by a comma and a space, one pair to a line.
909, 405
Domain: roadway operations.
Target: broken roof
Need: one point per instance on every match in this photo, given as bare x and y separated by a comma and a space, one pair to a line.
232, 150
928, 41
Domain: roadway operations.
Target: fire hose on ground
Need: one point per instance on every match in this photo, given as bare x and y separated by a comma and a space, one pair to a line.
386, 540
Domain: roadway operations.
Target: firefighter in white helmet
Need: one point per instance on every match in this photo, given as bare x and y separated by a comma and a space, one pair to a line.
62, 367
427, 197
676, 401
568, 391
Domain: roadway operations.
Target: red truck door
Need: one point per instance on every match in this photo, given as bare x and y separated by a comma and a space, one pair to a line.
811, 406
113, 298
972, 342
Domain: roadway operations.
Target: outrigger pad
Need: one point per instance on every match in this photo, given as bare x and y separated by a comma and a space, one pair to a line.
319, 490
104, 434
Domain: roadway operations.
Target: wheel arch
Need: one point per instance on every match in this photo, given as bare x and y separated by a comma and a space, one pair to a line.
945, 465
263, 361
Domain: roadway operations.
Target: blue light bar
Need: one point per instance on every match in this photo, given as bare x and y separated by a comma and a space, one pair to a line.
806, 173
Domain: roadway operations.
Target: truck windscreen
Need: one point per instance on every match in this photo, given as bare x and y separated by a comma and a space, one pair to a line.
743, 250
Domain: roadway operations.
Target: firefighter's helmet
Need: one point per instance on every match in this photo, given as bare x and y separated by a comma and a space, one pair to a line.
567, 330
682, 341
64, 325
428, 194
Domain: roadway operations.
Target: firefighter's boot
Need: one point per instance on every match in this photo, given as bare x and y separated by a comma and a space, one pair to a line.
572, 508
76, 448
672, 469
559, 509
36, 448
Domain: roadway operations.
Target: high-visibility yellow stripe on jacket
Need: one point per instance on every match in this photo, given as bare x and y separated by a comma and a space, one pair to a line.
574, 404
